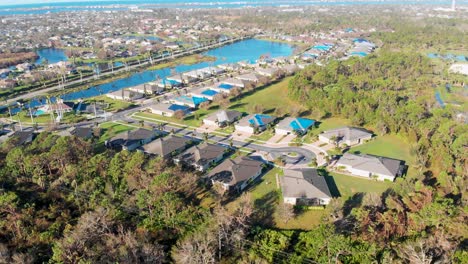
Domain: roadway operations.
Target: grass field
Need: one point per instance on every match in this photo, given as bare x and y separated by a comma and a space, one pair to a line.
264, 136
392, 146
110, 129
345, 186
271, 97
114, 105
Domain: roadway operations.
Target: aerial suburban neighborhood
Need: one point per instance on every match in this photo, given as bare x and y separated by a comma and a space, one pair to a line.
233, 132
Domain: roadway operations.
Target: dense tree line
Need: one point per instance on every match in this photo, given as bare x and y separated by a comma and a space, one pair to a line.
423, 216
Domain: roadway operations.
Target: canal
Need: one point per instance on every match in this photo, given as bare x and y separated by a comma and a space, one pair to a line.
247, 50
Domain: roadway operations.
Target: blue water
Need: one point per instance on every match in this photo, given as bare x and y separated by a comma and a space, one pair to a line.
439, 99
250, 50
11, 7
51, 55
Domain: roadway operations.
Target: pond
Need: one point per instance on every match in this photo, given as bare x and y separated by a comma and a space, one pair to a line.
52, 55
246, 50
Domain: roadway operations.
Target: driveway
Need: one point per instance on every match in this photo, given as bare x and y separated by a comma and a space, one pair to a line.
206, 128
288, 138
275, 139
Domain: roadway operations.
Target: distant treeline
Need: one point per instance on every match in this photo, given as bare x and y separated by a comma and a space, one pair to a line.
10, 59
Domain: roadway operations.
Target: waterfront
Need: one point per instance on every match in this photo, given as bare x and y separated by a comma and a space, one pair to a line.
45, 8
246, 50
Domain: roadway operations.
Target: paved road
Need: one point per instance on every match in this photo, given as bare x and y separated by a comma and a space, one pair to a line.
30, 95
303, 156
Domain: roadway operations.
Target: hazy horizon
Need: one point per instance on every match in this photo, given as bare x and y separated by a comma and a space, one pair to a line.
26, 2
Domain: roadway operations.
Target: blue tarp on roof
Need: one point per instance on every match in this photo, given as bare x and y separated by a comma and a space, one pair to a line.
225, 86
360, 40
198, 100
175, 107
322, 47
209, 92
302, 123
259, 120
359, 53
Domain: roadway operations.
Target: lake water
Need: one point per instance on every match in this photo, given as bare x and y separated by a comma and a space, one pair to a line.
8, 8
246, 50
51, 55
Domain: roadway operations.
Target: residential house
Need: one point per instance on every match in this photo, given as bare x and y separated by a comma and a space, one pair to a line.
370, 166
249, 77
223, 87
222, 118
19, 138
147, 88
236, 174
304, 187
125, 95
268, 72
204, 93
290, 69
168, 109
345, 135
254, 123
81, 132
201, 157
166, 147
131, 140
168, 83
58, 107
234, 82
191, 101
294, 125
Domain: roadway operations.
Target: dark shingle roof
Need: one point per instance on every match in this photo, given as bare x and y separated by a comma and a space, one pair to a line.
304, 183
202, 154
165, 146
234, 171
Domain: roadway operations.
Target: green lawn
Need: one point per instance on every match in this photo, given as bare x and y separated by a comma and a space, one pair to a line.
46, 118
392, 146
110, 129
114, 105
345, 186
264, 136
325, 124
195, 119
269, 98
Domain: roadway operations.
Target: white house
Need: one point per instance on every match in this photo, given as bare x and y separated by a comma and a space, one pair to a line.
369, 166
125, 95
168, 109
253, 123
345, 135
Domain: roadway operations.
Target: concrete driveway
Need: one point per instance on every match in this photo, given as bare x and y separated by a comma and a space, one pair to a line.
275, 138
206, 128
288, 138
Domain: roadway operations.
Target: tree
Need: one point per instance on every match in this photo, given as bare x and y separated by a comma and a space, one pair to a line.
179, 114
285, 212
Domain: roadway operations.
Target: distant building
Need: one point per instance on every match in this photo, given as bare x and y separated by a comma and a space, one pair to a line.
346, 135
370, 166
19, 138
147, 88
125, 95
304, 187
